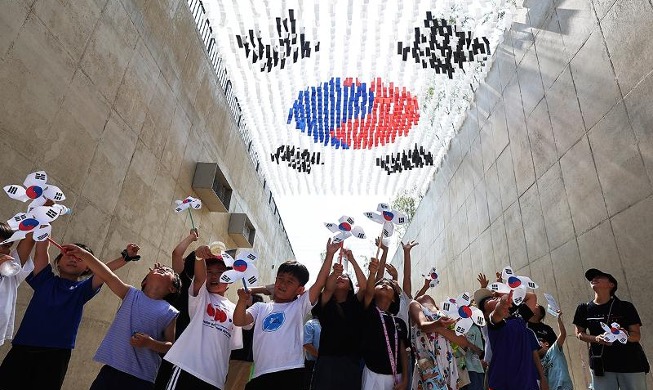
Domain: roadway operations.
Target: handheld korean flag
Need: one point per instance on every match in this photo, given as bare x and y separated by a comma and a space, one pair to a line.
614, 333
242, 268
36, 188
37, 222
460, 309
433, 276
552, 305
387, 217
345, 229
517, 284
188, 203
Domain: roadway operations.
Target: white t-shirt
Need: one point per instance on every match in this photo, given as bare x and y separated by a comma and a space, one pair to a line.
8, 294
203, 348
279, 334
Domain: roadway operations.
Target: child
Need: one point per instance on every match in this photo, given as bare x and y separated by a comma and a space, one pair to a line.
279, 325
145, 318
340, 311
47, 334
201, 354
554, 361
14, 260
384, 335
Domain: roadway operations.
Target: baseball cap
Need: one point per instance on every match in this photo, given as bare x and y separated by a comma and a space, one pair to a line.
593, 272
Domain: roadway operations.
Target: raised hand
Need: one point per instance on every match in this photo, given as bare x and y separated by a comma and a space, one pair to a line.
409, 245
482, 280
392, 271
379, 242
332, 248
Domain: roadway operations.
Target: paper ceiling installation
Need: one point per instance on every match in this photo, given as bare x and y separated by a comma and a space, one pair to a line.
353, 96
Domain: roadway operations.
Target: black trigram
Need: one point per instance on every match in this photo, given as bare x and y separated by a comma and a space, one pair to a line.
20, 217
40, 176
42, 237
225, 278
51, 213
12, 190
350, 221
400, 220
360, 235
251, 280
57, 196
251, 256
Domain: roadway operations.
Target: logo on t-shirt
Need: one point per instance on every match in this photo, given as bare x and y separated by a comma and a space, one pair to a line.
273, 321
216, 313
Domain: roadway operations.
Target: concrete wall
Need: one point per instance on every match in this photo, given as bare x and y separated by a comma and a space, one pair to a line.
551, 171
117, 101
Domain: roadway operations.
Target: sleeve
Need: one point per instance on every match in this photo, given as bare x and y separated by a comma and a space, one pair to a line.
194, 302
36, 281
580, 317
236, 341
318, 310
305, 301
631, 317
27, 268
309, 332
87, 289
254, 310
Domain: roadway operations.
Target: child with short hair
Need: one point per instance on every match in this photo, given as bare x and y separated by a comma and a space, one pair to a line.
145, 318
278, 333
554, 361
201, 354
47, 333
19, 264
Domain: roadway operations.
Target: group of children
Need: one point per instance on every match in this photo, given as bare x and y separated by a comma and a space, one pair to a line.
373, 337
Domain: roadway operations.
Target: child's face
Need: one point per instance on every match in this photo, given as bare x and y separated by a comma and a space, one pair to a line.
160, 278
384, 288
286, 288
342, 282
213, 274
70, 265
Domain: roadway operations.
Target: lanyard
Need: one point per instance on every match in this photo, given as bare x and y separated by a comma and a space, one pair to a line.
393, 356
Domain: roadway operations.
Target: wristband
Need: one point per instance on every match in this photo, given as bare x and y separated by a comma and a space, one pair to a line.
126, 256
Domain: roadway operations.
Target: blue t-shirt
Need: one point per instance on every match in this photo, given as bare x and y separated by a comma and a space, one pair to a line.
555, 368
53, 315
137, 313
312, 330
512, 366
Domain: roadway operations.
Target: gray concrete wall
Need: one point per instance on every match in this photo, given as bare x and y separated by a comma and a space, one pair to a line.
551, 171
116, 101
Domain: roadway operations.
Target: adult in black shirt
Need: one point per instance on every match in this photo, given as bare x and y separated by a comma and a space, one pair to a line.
338, 364
624, 365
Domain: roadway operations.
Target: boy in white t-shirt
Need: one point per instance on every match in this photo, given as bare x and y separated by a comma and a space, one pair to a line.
15, 265
201, 354
279, 330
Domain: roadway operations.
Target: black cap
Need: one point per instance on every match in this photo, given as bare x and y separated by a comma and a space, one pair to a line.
593, 272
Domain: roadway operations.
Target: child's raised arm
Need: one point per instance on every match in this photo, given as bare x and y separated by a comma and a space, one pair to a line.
371, 278
200, 275
24, 248
180, 249
99, 269
407, 284
330, 285
562, 336
41, 256
360, 276
316, 288
241, 317
131, 252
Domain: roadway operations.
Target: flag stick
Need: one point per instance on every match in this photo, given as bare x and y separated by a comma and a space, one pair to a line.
57, 245
341, 250
192, 223
245, 286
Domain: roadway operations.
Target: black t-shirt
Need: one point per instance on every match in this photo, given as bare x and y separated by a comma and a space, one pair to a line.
617, 357
341, 327
181, 303
375, 347
543, 332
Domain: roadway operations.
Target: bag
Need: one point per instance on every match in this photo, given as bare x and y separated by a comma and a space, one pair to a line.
596, 362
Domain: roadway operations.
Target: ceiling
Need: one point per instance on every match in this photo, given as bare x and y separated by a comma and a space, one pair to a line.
354, 96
